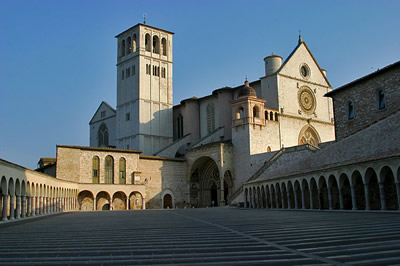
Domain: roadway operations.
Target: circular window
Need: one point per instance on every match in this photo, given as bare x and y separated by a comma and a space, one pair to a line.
306, 100
305, 71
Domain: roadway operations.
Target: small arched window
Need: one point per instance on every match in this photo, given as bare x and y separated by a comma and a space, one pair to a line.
266, 115
256, 112
147, 42
271, 116
381, 100
109, 170
95, 170
164, 46
134, 43
241, 112
350, 110
156, 44
210, 118
268, 149
122, 171
129, 48
123, 48
276, 117
102, 135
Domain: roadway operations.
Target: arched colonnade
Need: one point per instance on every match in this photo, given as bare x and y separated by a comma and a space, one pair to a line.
106, 200
373, 186
20, 198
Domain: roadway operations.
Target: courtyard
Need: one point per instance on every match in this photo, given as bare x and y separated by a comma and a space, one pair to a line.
203, 236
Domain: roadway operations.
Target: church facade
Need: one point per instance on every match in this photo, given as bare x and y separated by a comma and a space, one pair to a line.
268, 143
217, 133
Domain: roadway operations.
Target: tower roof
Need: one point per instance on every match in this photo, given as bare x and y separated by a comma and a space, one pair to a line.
247, 91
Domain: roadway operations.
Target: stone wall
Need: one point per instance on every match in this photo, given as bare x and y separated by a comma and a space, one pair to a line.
160, 175
364, 96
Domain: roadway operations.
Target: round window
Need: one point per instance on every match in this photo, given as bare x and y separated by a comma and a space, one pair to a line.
305, 71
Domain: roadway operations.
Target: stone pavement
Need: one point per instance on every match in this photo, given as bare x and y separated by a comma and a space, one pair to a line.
203, 236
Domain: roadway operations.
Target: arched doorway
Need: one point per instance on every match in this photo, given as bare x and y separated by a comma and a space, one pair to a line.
103, 201
135, 201
167, 201
205, 183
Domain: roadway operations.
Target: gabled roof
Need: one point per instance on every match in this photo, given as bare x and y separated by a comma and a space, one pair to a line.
108, 106
308, 50
369, 76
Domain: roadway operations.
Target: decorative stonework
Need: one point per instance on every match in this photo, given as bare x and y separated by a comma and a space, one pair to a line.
306, 100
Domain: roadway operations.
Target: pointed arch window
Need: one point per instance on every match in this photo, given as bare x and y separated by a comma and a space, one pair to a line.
122, 171
95, 169
109, 170
210, 118
102, 135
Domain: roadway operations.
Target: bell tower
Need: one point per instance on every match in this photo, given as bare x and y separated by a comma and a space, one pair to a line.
144, 89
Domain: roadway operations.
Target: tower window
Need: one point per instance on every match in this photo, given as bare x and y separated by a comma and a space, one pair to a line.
147, 42
134, 43
256, 112
350, 111
156, 44
128, 116
164, 46
123, 48
128, 72
129, 48
381, 100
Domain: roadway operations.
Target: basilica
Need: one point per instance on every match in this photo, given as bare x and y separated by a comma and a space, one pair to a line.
286, 140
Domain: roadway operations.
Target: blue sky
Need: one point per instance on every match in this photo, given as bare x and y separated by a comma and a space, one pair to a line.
57, 58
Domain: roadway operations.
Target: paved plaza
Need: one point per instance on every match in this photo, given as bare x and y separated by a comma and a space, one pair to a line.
203, 236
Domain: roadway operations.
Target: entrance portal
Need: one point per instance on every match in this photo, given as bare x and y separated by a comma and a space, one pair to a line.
214, 195
167, 201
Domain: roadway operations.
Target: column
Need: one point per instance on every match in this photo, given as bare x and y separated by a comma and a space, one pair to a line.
276, 199
311, 200
23, 205
12, 207
94, 204
222, 194
398, 194
289, 205
37, 205
330, 198
41, 205
144, 204
366, 192
382, 194
28, 206
319, 198
303, 199
296, 205
33, 202
18, 214
353, 197
5, 207
341, 198
127, 203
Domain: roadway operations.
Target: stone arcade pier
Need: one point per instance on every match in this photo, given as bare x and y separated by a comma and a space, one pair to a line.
219, 236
